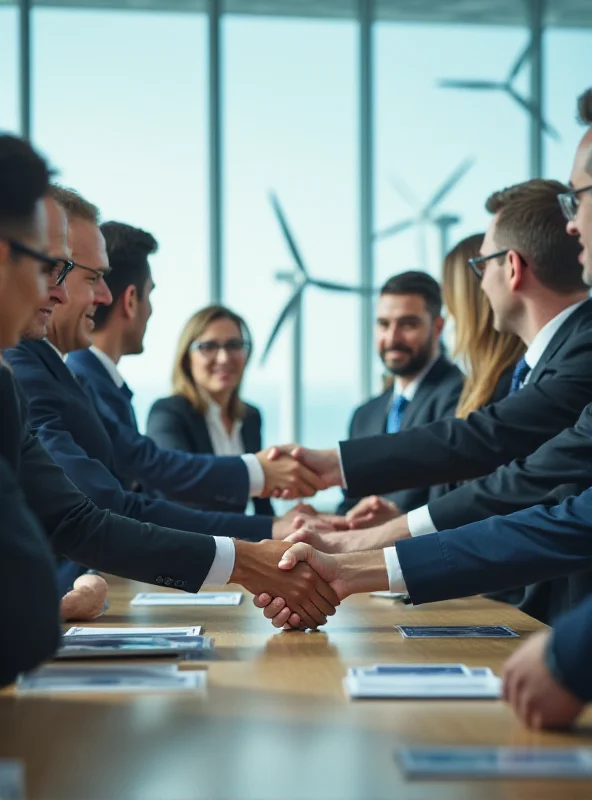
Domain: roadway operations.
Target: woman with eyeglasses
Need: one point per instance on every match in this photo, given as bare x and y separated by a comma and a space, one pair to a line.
205, 413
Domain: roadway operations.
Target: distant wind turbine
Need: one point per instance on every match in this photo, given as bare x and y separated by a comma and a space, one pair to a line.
299, 279
424, 214
506, 86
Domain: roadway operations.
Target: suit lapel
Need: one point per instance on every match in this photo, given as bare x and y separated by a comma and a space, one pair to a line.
559, 339
424, 390
54, 364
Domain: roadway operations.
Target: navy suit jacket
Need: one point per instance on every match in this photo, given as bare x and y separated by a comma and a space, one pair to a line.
571, 645
73, 524
436, 398
66, 421
174, 423
501, 553
179, 476
29, 597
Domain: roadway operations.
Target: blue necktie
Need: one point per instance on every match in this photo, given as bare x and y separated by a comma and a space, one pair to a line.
521, 370
395, 415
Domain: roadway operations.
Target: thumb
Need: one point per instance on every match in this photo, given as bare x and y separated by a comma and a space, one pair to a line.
273, 454
298, 536
299, 552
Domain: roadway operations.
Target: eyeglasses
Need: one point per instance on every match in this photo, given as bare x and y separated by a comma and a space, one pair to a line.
56, 268
102, 272
209, 349
478, 264
570, 202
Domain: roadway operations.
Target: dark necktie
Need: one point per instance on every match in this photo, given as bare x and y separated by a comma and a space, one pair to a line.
395, 415
521, 370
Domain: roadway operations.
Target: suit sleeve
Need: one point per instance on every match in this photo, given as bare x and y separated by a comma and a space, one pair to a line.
166, 427
530, 546
103, 488
186, 477
262, 505
564, 461
571, 648
30, 601
461, 449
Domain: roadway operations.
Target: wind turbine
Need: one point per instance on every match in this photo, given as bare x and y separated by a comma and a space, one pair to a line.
506, 86
426, 213
298, 279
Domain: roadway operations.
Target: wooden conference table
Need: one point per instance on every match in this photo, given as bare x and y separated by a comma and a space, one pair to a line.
275, 724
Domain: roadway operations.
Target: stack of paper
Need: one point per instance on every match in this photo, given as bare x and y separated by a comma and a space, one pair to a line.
422, 681
134, 642
111, 678
183, 599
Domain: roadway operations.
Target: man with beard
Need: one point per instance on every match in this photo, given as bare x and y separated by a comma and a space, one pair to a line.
426, 386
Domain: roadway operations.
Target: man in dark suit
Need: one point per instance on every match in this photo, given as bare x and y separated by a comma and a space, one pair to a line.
119, 331
426, 385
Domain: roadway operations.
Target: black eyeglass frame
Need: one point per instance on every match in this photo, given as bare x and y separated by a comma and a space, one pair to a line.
64, 264
474, 262
569, 202
100, 272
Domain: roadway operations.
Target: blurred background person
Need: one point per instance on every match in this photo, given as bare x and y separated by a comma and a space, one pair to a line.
205, 413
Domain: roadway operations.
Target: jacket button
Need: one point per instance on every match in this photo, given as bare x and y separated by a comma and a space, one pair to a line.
179, 584
159, 580
168, 581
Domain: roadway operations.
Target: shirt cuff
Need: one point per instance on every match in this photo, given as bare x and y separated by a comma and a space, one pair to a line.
394, 571
419, 522
223, 562
343, 481
256, 474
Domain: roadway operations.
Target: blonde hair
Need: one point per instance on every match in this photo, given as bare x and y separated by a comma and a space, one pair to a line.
486, 354
183, 383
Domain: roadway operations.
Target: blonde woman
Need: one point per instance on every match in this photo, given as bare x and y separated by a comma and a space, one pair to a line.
205, 413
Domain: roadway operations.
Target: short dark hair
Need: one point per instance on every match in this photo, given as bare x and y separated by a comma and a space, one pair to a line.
417, 282
530, 221
128, 249
74, 204
24, 180
585, 107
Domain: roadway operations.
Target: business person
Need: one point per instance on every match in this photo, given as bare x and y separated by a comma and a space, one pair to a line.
488, 357
535, 289
205, 413
119, 328
424, 385
29, 596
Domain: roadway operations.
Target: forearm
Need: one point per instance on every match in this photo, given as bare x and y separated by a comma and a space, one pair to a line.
376, 538
363, 572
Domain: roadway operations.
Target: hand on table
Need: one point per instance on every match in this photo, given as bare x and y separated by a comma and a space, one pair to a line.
534, 694
303, 591
86, 600
371, 511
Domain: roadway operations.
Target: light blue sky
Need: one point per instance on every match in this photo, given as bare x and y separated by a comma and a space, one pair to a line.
120, 108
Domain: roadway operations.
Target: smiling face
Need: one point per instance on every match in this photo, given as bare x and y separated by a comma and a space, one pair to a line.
222, 372
405, 334
72, 323
581, 226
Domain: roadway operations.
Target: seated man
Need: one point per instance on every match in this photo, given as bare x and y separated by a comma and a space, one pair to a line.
426, 385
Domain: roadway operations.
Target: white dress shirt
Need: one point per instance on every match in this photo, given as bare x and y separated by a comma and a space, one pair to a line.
419, 521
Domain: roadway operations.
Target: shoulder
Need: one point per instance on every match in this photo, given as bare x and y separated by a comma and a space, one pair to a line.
373, 406
174, 404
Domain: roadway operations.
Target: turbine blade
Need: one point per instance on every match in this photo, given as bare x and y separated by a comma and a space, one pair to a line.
404, 191
520, 61
287, 310
290, 241
342, 287
535, 112
447, 186
393, 230
473, 85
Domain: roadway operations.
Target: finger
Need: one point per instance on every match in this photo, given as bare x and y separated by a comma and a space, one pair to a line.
313, 612
311, 478
262, 600
327, 593
362, 521
295, 622
273, 609
281, 619
323, 605
298, 522
296, 553
306, 508
274, 453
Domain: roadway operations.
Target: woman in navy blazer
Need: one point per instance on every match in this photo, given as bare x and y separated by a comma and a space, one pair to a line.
205, 413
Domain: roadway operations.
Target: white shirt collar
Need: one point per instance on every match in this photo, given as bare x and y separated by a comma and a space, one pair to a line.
541, 341
55, 349
109, 365
410, 390
223, 443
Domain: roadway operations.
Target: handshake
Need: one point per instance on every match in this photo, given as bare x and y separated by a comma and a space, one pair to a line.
291, 471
